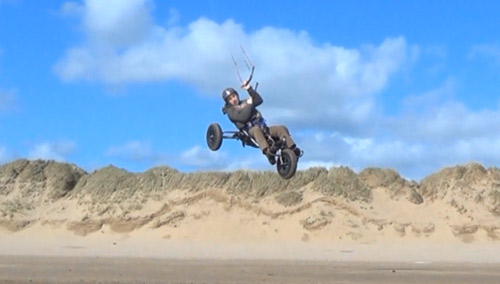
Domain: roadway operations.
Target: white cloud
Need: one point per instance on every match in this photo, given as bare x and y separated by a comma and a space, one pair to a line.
116, 22
433, 131
4, 155
454, 121
174, 17
437, 117
417, 159
8, 100
485, 50
134, 151
303, 83
326, 87
177, 53
202, 158
52, 150
71, 8
304, 165
330, 90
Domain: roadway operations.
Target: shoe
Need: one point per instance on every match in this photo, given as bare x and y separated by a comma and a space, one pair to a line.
270, 156
297, 151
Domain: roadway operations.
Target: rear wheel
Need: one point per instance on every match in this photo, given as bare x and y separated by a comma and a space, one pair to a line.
287, 164
214, 136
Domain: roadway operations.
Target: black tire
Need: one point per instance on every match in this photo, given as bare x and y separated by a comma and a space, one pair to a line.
214, 136
287, 164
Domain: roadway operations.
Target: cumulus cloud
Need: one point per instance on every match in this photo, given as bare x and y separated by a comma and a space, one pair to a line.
412, 158
202, 158
8, 100
327, 94
434, 130
430, 131
451, 121
117, 23
437, 117
485, 51
58, 151
4, 155
72, 9
134, 151
331, 86
328, 86
158, 54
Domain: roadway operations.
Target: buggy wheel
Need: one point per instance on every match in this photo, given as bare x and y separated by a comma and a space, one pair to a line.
214, 136
287, 164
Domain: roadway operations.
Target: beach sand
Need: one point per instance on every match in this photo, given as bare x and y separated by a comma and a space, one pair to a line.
54, 214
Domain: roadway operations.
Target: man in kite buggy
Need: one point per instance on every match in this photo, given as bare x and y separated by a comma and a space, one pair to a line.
244, 114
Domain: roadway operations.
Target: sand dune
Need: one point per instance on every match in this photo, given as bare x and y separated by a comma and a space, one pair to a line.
457, 205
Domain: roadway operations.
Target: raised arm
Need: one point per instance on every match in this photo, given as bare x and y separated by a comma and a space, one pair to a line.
255, 98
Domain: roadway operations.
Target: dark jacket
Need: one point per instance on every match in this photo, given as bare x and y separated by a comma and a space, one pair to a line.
240, 116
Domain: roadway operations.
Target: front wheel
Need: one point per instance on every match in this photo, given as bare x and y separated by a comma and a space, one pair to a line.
287, 164
214, 136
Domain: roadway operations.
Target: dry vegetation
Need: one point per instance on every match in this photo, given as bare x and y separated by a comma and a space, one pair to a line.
49, 192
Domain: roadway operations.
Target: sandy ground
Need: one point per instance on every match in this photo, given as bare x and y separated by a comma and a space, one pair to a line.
141, 270
39, 240
62, 257
165, 227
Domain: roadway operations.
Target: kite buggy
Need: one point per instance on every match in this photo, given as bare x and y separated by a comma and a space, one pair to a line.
274, 141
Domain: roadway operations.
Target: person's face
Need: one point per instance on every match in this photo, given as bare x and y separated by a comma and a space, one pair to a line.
233, 99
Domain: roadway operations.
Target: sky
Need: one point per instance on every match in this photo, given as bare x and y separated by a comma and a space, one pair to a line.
408, 85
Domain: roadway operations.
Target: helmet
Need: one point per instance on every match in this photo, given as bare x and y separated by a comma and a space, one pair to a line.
227, 92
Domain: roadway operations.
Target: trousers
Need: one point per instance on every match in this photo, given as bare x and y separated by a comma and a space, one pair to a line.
280, 131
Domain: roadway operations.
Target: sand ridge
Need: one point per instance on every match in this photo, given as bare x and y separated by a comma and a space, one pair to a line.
319, 207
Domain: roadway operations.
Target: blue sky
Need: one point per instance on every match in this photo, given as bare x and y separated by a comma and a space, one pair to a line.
407, 85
